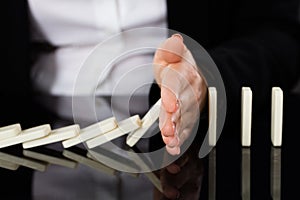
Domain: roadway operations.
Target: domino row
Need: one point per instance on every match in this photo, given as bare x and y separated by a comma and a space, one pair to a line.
94, 135
246, 116
107, 130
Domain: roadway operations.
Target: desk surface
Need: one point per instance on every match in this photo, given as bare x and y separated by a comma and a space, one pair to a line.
228, 172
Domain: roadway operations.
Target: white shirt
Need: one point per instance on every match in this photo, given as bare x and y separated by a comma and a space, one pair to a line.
76, 26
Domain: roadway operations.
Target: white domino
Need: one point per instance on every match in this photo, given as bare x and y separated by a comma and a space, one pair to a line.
36, 165
91, 132
246, 116
123, 128
8, 165
89, 162
212, 116
50, 159
56, 135
26, 135
9, 131
276, 116
147, 121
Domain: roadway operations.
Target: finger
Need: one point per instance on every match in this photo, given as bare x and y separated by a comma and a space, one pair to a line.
171, 141
177, 114
169, 99
184, 136
184, 130
173, 150
167, 127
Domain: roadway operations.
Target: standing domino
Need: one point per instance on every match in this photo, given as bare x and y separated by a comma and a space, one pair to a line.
124, 127
212, 116
246, 116
276, 118
147, 121
27, 135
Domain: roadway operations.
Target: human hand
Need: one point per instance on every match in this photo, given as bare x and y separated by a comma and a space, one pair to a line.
183, 92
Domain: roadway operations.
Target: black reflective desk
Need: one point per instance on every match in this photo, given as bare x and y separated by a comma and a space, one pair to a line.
228, 172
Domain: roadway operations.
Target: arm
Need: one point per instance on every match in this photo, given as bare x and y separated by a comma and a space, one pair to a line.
263, 51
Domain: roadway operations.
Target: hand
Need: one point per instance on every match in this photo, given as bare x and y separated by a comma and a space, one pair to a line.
183, 92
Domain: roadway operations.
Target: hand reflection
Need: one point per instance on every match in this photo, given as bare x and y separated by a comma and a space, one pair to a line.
181, 179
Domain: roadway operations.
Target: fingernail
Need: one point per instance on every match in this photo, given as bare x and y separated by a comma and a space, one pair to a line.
177, 35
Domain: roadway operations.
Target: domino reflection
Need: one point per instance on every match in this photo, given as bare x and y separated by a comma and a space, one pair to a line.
275, 173
246, 174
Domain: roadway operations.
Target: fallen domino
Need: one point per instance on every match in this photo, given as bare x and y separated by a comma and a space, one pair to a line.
150, 117
91, 132
26, 135
9, 131
123, 128
56, 135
